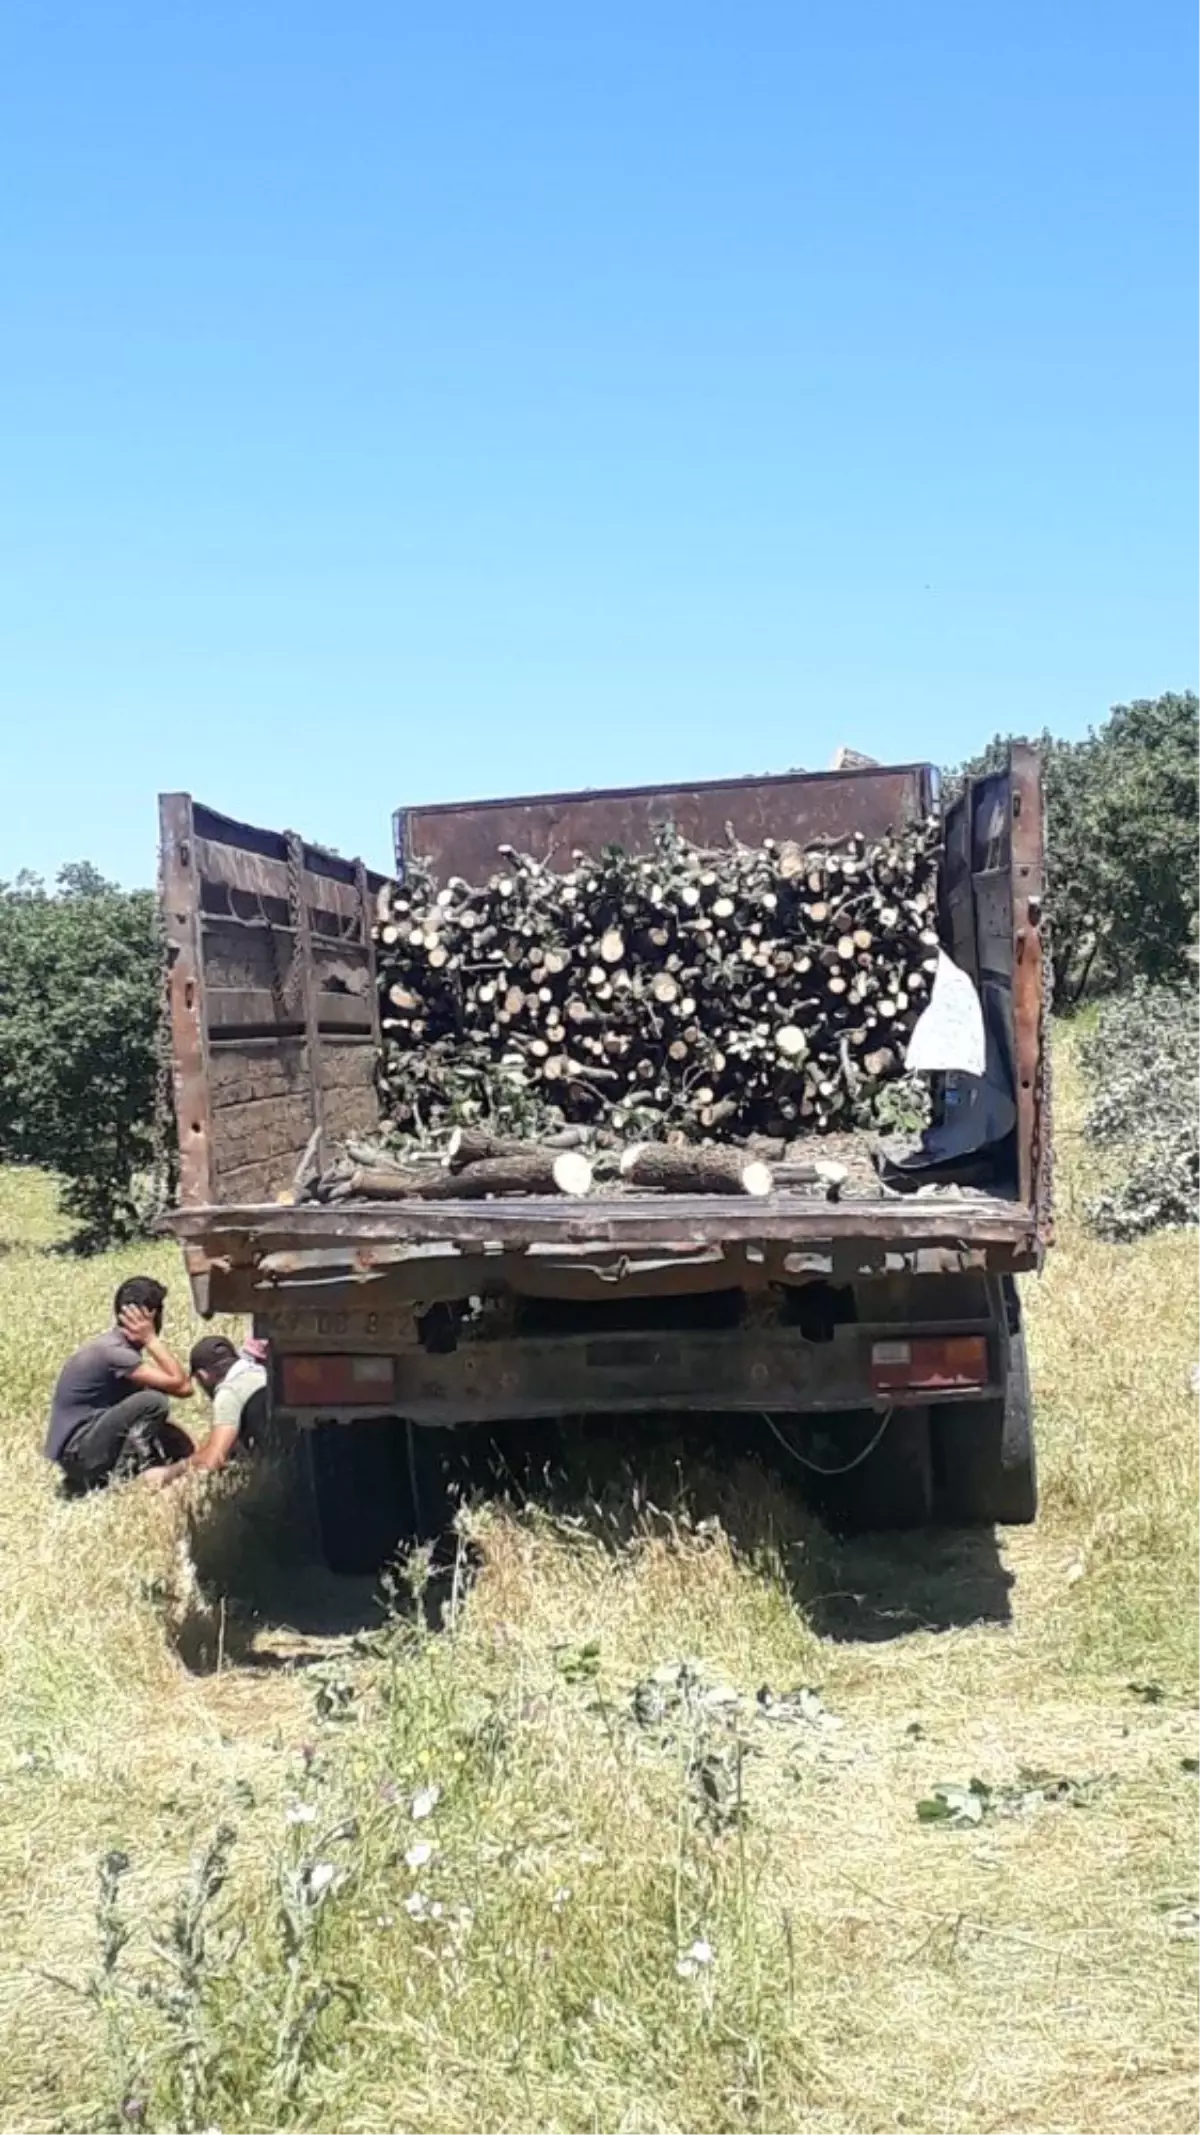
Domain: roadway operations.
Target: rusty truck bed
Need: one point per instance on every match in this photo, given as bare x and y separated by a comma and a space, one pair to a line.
275, 1027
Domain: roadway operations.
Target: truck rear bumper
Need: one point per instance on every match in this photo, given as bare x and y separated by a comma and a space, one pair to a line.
610, 1374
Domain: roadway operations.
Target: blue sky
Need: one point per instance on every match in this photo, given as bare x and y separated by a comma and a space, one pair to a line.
408, 402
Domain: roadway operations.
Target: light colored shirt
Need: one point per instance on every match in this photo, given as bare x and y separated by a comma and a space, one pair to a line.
241, 1382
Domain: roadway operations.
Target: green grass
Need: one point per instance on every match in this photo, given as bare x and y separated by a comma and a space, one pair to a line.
869, 1972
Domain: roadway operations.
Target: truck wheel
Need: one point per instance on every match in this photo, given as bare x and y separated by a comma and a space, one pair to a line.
379, 1485
985, 1463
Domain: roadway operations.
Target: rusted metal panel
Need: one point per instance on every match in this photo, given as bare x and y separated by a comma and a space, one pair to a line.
957, 892
684, 1369
1031, 1037
300, 1282
228, 833
255, 876
271, 943
994, 920
366, 906
308, 998
180, 901
461, 838
243, 1234
236, 1009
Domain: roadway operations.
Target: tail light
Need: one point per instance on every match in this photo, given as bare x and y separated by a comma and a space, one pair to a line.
345, 1382
930, 1362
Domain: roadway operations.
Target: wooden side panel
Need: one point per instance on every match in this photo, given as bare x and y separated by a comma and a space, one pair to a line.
274, 999
348, 1085
261, 1114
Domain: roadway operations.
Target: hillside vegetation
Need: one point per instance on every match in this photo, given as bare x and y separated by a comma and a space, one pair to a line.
269, 1858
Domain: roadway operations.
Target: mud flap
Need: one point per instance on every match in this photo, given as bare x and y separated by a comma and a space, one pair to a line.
985, 1462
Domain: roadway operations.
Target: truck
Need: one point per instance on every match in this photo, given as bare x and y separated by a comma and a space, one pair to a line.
882, 1328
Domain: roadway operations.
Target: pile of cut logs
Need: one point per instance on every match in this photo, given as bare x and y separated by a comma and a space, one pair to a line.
686, 996
476, 1164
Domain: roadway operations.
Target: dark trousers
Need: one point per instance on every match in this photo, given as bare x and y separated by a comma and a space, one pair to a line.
133, 1435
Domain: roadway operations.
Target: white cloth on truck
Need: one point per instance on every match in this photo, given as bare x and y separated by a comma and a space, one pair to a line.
948, 1038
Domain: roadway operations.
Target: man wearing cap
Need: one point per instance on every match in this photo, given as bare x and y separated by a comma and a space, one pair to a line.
236, 1383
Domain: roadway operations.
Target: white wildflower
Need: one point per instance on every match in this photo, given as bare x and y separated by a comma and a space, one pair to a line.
424, 1802
320, 1879
417, 1905
696, 1959
419, 1855
301, 1812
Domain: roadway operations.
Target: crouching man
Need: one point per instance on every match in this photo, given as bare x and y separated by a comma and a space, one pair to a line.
110, 1415
237, 1386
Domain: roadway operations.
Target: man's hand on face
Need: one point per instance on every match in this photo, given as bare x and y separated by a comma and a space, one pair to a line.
138, 1324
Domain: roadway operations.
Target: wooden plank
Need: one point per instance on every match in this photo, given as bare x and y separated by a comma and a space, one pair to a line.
348, 1062
234, 1008
237, 954
179, 891
262, 1127
241, 1068
263, 1177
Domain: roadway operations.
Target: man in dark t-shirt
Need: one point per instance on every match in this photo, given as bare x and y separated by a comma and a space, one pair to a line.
109, 1417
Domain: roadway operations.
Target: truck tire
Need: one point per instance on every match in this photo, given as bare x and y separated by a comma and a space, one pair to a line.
985, 1463
379, 1486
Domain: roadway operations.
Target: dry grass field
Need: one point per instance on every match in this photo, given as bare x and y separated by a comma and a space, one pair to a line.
558, 1866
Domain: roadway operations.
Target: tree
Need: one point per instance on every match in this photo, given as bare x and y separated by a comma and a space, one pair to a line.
1121, 854
80, 999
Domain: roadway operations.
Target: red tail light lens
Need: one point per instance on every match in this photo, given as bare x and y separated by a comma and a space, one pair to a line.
314, 1382
931, 1362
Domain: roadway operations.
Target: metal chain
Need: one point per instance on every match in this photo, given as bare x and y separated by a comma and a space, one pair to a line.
286, 984
165, 1165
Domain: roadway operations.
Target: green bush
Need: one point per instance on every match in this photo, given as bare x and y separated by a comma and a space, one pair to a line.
1143, 1059
80, 997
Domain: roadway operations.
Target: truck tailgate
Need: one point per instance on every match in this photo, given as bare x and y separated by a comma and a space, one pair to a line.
279, 1238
